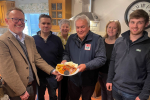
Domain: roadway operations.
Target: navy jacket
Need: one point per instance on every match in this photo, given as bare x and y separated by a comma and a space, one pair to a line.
50, 50
129, 68
91, 52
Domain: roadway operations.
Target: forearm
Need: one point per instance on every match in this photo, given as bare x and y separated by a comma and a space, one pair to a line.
111, 70
145, 91
66, 57
146, 88
40, 62
95, 63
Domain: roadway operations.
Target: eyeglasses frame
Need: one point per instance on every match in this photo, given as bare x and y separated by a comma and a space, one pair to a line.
22, 21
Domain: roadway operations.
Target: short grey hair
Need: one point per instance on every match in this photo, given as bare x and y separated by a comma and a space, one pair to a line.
82, 17
64, 21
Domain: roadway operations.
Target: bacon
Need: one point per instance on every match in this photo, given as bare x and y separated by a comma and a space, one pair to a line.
67, 68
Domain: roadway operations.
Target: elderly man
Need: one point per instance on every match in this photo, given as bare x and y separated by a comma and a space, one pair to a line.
19, 56
87, 50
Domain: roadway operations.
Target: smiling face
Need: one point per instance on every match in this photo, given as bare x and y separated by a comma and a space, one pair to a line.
82, 28
18, 27
64, 29
45, 25
137, 26
112, 29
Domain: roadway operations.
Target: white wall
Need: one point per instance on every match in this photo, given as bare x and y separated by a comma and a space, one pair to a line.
106, 10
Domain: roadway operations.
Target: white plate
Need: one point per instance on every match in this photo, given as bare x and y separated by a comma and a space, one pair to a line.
70, 74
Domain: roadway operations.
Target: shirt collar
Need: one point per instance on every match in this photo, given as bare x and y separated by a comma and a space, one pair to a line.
59, 34
39, 33
17, 36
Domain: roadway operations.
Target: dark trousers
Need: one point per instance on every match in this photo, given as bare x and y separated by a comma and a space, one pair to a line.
63, 93
31, 89
106, 95
75, 92
51, 84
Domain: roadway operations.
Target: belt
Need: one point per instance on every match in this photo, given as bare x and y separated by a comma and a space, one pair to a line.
30, 83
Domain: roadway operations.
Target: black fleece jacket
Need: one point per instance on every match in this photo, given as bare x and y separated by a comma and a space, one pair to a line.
51, 50
129, 68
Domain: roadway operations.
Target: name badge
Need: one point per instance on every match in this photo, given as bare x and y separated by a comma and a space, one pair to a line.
87, 47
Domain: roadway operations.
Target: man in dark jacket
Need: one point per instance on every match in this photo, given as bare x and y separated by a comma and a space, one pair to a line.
129, 70
87, 50
50, 48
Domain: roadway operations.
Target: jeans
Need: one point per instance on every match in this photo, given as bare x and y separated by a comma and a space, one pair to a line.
121, 95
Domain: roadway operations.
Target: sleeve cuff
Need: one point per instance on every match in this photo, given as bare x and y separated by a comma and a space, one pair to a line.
52, 71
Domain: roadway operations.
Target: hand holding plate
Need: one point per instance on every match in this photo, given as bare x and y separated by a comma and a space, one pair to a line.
63, 62
81, 67
59, 77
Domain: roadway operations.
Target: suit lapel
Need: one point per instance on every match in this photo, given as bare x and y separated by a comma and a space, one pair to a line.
29, 48
16, 44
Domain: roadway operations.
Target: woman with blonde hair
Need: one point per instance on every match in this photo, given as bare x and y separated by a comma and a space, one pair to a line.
113, 30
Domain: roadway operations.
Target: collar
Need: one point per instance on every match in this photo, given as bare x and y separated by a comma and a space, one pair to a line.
126, 35
59, 35
39, 32
88, 37
17, 36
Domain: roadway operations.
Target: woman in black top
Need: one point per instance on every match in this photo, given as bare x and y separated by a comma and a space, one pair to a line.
113, 30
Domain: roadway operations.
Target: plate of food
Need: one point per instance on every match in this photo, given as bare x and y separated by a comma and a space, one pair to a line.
67, 69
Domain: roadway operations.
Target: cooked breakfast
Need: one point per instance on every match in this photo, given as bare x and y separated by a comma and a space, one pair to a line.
68, 66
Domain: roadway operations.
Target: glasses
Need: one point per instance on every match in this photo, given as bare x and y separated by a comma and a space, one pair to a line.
16, 20
114, 20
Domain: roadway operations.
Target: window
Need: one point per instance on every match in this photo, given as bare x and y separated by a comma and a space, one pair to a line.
32, 24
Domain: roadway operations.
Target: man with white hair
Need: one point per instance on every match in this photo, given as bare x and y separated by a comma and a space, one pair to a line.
87, 50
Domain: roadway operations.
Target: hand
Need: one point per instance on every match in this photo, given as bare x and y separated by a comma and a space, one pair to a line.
63, 62
25, 96
59, 77
55, 72
137, 98
109, 86
82, 67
